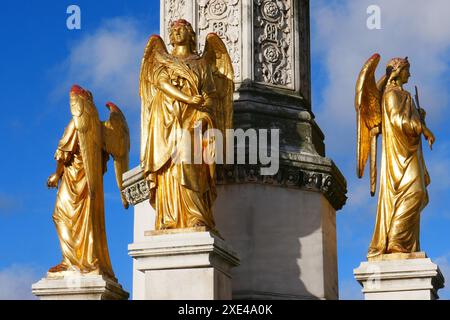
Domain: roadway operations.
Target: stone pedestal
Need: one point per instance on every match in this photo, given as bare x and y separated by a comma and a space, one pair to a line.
286, 239
400, 277
183, 264
79, 287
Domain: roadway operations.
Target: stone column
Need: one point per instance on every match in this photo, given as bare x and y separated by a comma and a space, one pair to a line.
400, 277
282, 226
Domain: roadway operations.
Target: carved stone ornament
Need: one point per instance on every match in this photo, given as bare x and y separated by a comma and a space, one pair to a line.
175, 9
222, 17
273, 42
287, 176
137, 192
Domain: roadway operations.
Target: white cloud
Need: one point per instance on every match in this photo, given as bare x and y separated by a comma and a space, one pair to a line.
16, 281
414, 28
107, 62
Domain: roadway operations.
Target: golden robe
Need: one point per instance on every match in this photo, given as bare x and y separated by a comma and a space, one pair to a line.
404, 177
79, 218
181, 193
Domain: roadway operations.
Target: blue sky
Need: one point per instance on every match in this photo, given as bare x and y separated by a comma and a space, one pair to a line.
41, 58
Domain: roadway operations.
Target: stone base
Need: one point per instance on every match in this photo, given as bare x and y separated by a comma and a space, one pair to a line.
286, 239
400, 277
398, 256
79, 287
180, 265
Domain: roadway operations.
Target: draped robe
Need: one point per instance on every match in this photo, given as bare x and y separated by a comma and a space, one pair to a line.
182, 193
78, 217
404, 177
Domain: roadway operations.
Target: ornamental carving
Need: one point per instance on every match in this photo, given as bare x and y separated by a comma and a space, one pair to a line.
137, 192
222, 17
175, 9
287, 176
273, 42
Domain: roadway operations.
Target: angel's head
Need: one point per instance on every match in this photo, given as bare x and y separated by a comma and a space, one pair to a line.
182, 34
77, 92
79, 96
398, 70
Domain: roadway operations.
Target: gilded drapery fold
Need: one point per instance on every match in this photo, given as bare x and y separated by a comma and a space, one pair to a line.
77, 212
186, 99
404, 177
181, 192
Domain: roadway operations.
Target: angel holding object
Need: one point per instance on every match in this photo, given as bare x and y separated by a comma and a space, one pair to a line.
81, 156
386, 109
180, 91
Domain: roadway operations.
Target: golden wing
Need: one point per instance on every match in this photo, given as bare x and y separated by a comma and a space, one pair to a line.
155, 48
216, 55
116, 142
368, 109
87, 123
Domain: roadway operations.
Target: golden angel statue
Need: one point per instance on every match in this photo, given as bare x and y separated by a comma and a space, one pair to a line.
180, 91
81, 156
385, 108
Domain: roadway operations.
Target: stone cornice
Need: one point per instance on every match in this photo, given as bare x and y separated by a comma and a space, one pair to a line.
301, 171
135, 187
306, 172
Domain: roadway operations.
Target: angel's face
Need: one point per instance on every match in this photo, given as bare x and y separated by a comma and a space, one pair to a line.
74, 99
404, 75
180, 35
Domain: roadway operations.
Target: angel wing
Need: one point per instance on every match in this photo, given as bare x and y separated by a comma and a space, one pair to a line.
368, 109
87, 123
216, 55
155, 47
116, 142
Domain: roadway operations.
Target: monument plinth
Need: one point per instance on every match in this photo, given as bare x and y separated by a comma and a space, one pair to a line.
283, 226
76, 286
400, 277
182, 264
